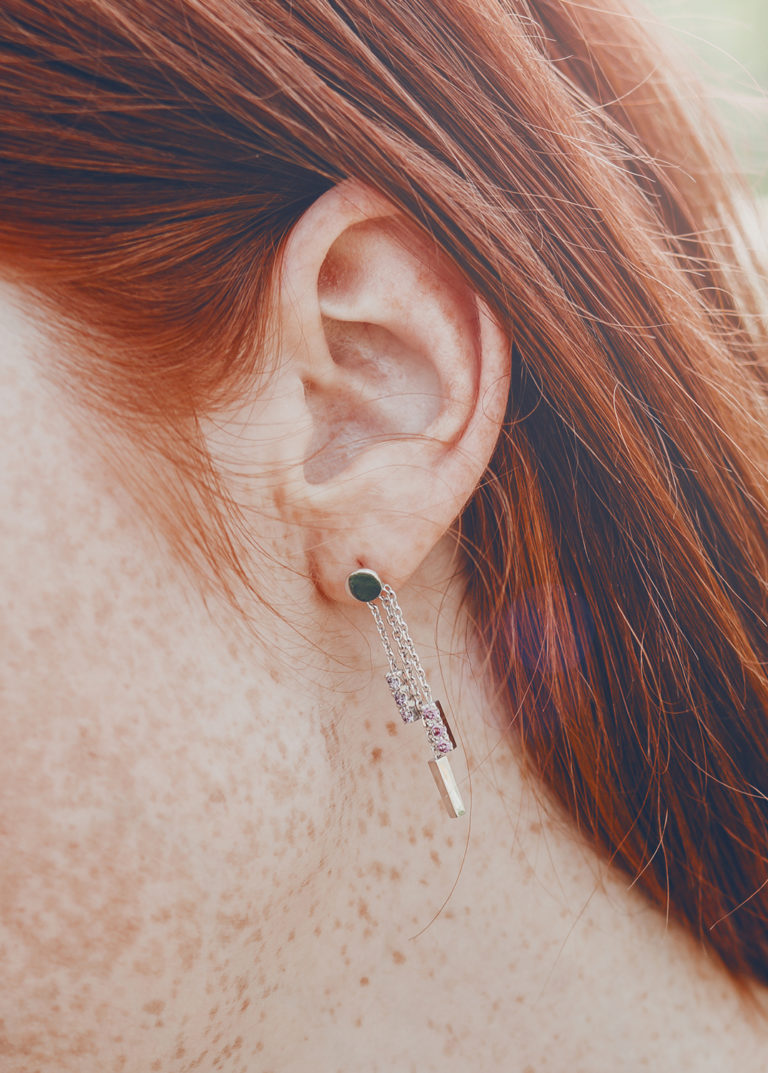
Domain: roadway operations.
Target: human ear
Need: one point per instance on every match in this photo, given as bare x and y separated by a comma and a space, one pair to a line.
405, 376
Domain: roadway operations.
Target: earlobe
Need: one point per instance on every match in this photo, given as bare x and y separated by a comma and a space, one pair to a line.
405, 377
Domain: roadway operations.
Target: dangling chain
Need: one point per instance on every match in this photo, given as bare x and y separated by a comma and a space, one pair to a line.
404, 643
407, 679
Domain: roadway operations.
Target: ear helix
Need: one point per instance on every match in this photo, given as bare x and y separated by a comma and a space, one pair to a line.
408, 682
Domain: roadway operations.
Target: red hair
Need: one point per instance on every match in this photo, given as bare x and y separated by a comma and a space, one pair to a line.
154, 159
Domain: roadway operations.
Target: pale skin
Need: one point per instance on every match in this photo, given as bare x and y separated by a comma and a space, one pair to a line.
220, 848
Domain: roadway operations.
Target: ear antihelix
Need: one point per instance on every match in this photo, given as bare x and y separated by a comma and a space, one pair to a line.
407, 680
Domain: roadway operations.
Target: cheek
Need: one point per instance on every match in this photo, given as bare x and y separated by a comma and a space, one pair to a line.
160, 789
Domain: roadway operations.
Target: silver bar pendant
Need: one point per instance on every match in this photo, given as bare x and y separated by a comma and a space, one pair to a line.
446, 783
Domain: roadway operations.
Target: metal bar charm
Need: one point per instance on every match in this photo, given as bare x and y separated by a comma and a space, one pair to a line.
445, 781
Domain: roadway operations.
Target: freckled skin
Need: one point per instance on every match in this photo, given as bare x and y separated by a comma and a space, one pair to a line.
218, 851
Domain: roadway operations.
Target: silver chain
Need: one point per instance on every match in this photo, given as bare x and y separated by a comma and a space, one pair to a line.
384, 638
414, 671
407, 679
407, 669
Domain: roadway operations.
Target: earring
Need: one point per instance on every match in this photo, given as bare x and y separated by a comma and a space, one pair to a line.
408, 682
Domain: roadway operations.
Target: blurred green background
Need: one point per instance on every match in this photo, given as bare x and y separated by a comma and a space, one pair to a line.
729, 43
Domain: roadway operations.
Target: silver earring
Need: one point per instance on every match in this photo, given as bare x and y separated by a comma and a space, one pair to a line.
408, 682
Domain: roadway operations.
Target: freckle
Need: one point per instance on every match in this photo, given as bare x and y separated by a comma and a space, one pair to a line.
156, 1007
146, 968
394, 874
519, 998
259, 1047
358, 1022
212, 1012
246, 1003
383, 819
435, 856
392, 729
376, 754
237, 1044
291, 936
318, 930
428, 832
216, 797
155, 1067
364, 981
397, 957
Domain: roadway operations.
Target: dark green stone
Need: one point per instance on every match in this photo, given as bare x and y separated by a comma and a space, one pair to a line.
364, 585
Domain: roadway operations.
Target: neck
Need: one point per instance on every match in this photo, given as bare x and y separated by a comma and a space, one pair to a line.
433, 942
